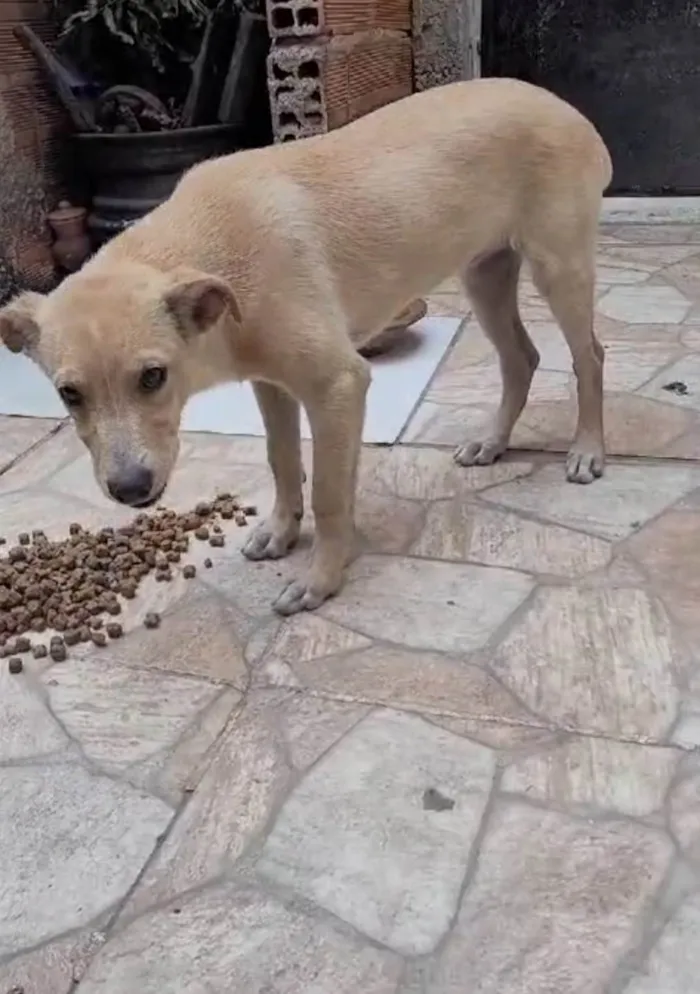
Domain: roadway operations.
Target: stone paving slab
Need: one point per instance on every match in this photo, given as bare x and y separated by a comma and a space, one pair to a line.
478, 768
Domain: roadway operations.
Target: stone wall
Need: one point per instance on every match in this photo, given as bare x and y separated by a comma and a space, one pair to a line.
447, 41
332, 61
30, 122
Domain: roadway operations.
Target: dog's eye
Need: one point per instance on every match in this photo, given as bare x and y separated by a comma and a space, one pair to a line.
71, 396
152, 378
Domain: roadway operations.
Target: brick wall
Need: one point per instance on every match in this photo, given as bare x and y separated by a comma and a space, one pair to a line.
334, 60
30, 123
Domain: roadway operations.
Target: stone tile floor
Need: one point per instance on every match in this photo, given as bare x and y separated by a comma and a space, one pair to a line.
476, 771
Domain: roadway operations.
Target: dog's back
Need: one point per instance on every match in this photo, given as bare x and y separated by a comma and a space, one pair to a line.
376, 198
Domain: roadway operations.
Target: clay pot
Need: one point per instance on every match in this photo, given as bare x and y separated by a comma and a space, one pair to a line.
130, 174
72, 245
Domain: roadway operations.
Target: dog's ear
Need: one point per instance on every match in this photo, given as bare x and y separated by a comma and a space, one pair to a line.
18, 328
197, 301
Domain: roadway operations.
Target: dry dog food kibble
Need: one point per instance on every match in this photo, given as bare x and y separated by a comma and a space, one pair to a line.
74, 586
15, 665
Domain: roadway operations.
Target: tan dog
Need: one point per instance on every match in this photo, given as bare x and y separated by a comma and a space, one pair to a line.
275, 265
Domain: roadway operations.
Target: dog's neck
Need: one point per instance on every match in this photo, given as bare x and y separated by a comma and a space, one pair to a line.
212, 359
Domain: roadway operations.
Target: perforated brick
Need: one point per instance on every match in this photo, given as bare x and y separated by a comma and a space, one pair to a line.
321, 85
311, 18
364, 72
295, 80
295, 18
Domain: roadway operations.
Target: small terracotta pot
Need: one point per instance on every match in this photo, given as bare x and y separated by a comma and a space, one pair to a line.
72, 242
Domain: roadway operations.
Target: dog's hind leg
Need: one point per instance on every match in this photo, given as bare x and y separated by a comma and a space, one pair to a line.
492, 287
567, 281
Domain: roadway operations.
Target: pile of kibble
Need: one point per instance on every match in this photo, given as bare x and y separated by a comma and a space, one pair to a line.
75, 587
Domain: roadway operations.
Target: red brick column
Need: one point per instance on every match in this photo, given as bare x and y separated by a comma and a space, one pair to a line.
334, 60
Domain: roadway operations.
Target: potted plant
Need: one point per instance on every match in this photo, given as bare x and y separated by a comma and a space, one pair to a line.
147, 84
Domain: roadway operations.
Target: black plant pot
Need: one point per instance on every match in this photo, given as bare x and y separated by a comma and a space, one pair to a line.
130, 174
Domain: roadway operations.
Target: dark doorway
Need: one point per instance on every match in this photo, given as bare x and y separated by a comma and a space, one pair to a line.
632, 66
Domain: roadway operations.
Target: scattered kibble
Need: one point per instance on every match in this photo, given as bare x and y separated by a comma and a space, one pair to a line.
15, 665
152, 620
75, 585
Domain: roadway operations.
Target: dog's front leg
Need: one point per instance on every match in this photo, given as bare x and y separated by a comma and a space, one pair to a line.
336, 415
280, 532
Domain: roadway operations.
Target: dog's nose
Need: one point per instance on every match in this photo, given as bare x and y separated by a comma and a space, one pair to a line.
132, 486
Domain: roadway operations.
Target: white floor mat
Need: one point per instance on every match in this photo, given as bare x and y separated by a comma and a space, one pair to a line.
398, 381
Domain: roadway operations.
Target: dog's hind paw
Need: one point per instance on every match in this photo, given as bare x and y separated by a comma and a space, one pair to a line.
584, 466
479, 453
299, 596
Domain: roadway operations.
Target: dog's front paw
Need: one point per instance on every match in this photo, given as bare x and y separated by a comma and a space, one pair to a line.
299, 595
479, 453
272, 539
584, 465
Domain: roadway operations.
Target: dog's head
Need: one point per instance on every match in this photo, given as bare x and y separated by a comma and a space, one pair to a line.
116, 346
